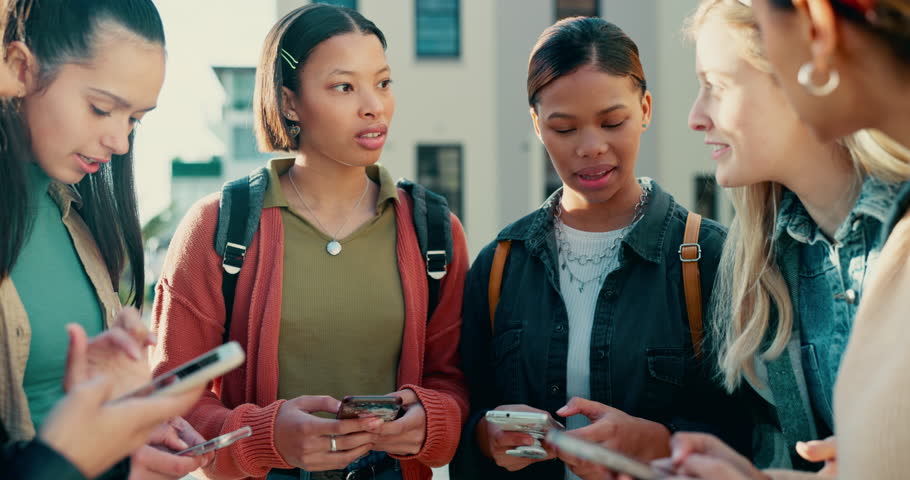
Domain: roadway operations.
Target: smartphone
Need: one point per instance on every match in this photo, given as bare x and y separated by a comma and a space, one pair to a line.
386, 407
196, 372
216, 443
535, 424
595, 453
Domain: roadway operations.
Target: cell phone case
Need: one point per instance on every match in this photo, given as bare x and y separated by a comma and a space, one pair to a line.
385, 407
216, 443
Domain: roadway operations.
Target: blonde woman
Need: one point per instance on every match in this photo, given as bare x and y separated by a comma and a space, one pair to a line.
805, 237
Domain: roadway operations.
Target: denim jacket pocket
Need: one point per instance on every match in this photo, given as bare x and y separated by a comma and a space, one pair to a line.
666, 378
506, 347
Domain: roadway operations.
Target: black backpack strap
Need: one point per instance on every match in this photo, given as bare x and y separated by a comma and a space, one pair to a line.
238, 219
434, 235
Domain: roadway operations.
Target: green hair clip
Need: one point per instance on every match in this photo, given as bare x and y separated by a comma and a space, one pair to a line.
288, 58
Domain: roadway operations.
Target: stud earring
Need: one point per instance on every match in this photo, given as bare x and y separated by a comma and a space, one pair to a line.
644, 125
293, 131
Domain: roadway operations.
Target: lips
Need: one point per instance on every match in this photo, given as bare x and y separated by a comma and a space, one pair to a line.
90, 164
718, 149
593, 173
372, 138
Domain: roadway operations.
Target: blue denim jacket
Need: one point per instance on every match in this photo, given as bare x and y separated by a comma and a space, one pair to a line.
825, 278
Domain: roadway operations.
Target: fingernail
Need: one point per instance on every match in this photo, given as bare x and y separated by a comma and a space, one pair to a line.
562, 409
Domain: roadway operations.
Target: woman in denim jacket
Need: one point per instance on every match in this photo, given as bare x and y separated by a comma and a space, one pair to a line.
805, 237
592, 301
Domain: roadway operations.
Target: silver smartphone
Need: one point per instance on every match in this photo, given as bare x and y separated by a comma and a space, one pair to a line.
595, 453
216, 443
535, 424
196, 372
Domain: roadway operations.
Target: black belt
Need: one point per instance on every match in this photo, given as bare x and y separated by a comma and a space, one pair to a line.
368, 472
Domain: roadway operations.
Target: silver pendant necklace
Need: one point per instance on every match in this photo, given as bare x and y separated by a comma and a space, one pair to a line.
333, 248
564, 247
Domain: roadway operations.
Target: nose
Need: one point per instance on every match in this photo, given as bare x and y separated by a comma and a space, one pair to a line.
699, 120
117, 139
592, 144
371, 105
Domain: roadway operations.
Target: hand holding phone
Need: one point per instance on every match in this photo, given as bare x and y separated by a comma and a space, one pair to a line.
217, 442
194, 373
535, 424
595, 453
386, 407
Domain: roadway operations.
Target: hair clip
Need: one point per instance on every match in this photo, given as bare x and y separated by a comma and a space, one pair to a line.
288, 58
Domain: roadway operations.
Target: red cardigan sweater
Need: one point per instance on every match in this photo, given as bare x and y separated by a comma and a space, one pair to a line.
188, 315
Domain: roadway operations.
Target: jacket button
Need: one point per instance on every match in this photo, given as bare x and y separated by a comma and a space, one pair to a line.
560, 328
554, 389
601, 354
850, 296
857, 224
19, 331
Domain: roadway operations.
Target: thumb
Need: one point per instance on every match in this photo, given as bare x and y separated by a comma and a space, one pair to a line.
77, 369
577, 405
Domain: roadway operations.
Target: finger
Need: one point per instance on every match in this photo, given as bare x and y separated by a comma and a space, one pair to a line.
130, 321
702, 466
186, 431
504, 439
335, 460
684, 444
164, 463
317, 403
406, 395
76, 357
591, 409
172, 440
350, 441
817, 450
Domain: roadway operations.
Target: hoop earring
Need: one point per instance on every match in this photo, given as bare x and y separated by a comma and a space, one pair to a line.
293, 131
804, 77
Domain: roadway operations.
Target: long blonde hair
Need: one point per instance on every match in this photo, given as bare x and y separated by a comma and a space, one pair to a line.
749, 283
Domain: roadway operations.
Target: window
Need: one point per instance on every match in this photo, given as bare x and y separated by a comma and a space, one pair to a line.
438, 29
243, 143
439, 169
243, 82
572, 8
706, 196
352, 4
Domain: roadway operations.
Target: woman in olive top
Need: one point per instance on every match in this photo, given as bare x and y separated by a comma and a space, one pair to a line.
332, 298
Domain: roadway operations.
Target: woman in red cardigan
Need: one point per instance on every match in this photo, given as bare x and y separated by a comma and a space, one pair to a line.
332, 299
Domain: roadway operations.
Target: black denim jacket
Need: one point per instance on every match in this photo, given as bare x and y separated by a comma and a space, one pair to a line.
642, 361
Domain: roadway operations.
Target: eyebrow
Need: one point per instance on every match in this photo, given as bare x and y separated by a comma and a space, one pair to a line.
337, 71
119, 100
602, 112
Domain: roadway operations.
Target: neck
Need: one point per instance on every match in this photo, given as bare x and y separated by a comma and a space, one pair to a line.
613, 213
826, 183
329, 187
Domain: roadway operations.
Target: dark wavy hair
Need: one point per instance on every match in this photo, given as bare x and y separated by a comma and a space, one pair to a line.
574, 42
61, 32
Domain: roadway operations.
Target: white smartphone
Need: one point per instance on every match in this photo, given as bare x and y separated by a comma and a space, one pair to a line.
217, 442
535, 424
595, 453
196, 372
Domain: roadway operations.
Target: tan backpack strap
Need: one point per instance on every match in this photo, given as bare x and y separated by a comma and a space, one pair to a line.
689, 255
499, 263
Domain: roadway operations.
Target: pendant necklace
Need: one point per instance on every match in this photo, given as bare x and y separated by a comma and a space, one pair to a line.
334, 246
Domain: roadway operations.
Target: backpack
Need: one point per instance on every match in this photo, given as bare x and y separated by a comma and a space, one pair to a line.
240, 209
689, 254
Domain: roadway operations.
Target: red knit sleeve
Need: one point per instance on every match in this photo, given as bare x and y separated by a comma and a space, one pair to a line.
443, 392
188, 316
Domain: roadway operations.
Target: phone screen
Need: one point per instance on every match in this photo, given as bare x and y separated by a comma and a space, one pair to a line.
384, 407
216, 443
595, 453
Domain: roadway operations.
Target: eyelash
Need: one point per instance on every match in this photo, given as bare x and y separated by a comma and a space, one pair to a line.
101, 113
347, 87
615, 125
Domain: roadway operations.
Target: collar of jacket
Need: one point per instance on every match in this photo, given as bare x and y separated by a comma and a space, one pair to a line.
646, 239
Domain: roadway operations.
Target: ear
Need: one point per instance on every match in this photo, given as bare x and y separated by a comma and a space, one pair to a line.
823, 34
646, 104
288, 105
535, 120
22, 68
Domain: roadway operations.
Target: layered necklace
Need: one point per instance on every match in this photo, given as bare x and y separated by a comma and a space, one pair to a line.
567, 257
333, 247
